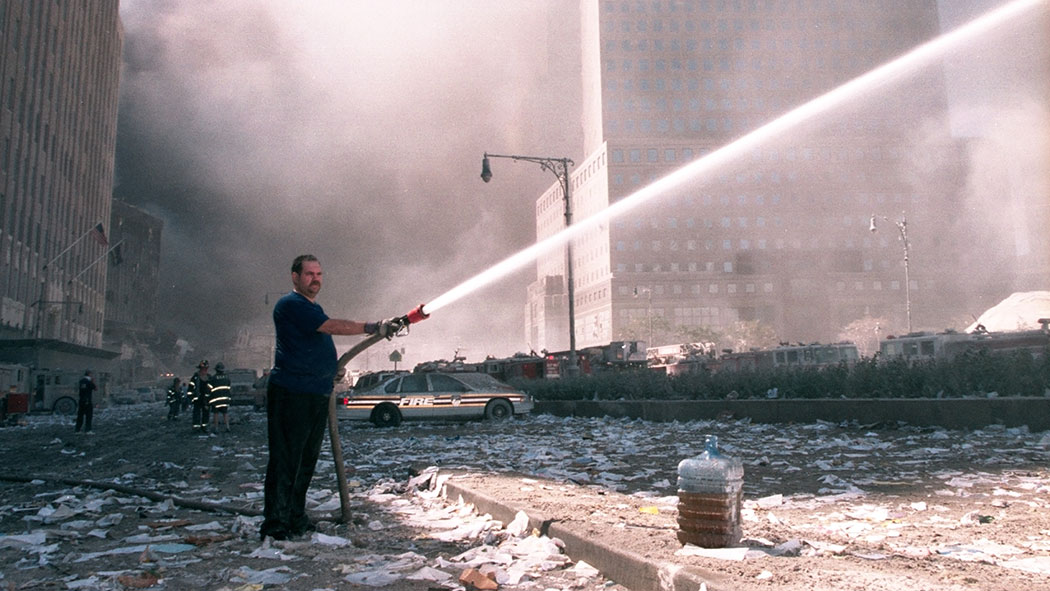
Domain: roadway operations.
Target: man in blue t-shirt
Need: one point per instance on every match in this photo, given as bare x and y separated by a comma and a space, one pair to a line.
300, 383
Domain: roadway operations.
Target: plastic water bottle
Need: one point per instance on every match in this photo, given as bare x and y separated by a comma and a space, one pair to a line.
710, 488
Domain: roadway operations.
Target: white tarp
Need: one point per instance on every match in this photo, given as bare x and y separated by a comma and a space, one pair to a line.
1020, 311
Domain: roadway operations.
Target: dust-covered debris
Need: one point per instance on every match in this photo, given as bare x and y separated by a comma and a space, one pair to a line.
827, 506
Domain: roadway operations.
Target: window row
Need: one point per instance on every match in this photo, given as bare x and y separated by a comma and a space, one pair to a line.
692, 6
695, 104
788, 64
651, 126
873, 285
709, 44
803, 153
727, 222
697, 289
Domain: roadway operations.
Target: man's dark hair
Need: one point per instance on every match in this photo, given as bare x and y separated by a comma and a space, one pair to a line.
297, 264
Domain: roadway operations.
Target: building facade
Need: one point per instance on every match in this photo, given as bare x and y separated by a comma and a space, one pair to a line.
132, 291
59, 82
780, 237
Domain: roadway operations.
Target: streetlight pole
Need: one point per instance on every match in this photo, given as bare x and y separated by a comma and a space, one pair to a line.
902, 228
559, 167
648, 311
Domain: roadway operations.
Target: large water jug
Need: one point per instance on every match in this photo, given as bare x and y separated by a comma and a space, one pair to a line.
710, 488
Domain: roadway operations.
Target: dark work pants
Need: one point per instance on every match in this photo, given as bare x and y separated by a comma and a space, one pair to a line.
85, 409
200, 413
295, 424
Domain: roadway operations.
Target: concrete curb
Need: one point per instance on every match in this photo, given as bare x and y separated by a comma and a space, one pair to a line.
626, 568
949, 413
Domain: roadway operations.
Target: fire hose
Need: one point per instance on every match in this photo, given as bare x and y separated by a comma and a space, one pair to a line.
399, 326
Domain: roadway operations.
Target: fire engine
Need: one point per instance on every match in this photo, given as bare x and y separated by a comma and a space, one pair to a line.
920, 346
702, 357
682, 358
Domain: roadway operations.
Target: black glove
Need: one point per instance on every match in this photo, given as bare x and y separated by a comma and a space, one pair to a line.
389, 327
384, 328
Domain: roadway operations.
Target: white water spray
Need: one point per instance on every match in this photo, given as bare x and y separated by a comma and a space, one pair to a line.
896, 69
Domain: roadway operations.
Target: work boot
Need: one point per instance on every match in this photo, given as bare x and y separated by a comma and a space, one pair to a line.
303, 527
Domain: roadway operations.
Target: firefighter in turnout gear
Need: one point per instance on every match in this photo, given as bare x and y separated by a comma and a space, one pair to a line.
220, 397
199, 394
174, 399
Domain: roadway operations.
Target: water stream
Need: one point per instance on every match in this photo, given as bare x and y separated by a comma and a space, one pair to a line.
899, 68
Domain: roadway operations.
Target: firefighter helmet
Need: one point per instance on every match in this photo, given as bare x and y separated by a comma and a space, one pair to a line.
219, 367
203, 363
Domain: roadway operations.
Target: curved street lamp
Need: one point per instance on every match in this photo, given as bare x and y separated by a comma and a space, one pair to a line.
902, 228
559, 167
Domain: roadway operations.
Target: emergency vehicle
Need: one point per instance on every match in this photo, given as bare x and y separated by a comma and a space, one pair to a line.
923, 346
433, 395
46, 389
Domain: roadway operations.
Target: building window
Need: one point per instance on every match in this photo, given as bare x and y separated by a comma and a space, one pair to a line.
727, 267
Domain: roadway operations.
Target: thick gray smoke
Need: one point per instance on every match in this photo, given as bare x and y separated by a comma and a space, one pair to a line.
350, 130
263, 129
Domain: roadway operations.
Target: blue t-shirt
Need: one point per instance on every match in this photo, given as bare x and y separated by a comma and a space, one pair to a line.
304, 359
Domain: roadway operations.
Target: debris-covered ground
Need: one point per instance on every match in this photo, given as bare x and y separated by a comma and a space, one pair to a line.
827, 506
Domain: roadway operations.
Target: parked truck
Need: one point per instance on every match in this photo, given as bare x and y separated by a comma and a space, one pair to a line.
242, 382
47, 389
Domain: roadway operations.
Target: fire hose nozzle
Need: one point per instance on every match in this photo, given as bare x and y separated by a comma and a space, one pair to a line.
416, 314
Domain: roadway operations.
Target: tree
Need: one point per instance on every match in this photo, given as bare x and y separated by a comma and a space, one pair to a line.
865, 333
743, 335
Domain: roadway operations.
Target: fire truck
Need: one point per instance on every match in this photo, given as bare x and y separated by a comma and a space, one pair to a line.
812, 355
617, 355
702, 357
923, 346
682, 358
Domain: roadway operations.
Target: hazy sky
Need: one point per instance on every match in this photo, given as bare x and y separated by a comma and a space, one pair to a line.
350, 129
260, 130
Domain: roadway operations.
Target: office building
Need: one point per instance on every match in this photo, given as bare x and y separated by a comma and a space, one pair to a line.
133, 291
776, 243
59, 81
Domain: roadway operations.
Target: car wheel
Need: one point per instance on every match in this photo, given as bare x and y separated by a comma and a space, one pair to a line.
386, 415
65, 406
498, 410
